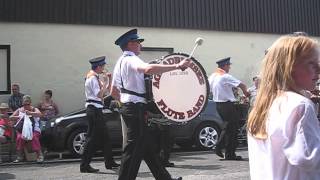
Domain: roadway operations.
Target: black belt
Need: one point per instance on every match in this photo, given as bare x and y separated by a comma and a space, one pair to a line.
225, 102
133, 104
123, 90
94, 101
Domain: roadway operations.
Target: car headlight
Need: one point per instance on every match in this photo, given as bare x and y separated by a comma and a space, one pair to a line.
58, 120
52, 124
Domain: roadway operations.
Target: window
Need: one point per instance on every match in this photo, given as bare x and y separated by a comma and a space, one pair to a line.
5, 69
152, 53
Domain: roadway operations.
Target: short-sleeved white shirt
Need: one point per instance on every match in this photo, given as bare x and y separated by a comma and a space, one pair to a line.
221, 87
92, 89
292, 148
131, 78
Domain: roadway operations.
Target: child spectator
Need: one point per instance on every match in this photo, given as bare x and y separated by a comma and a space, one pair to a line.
283, 129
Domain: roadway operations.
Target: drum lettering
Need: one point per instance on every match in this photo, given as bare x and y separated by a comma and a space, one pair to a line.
173, 60
177, 60
157, 78
173, 73
168, 111
200, 77
198, 72
183, 73
197, 107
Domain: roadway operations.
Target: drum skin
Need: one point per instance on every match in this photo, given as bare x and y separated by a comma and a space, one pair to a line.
181, 95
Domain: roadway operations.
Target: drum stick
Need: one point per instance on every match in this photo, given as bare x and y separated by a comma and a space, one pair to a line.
198, 42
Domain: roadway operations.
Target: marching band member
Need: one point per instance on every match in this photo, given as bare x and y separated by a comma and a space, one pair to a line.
128, 86
221, 84
95, 89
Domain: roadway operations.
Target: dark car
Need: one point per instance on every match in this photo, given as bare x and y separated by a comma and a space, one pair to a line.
69, 132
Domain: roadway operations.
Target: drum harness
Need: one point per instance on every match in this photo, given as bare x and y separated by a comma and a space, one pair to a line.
147, 79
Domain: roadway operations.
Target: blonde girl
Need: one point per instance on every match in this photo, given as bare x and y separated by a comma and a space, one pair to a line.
283, 129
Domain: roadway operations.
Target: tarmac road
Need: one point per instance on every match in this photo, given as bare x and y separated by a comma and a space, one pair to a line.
196, 165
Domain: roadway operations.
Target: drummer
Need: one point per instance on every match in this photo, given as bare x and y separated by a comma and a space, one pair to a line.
128, 86
221, 84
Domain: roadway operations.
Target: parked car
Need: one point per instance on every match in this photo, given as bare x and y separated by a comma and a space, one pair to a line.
68, 132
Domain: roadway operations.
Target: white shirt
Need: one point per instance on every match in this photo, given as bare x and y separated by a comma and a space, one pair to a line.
36, 120
92, 89
253, 93
132, 79
292, 148
221, 87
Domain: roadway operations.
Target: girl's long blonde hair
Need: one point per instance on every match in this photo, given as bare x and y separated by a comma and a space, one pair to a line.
276, 77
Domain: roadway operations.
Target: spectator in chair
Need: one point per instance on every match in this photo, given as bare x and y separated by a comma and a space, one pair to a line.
48, 108
5, 126
34, 115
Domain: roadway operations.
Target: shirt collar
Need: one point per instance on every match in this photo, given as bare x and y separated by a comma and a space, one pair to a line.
128, 53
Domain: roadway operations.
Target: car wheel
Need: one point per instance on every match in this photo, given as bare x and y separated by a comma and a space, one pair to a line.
76, 142
206, 136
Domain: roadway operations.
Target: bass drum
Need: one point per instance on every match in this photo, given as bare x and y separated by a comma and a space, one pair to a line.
181, 95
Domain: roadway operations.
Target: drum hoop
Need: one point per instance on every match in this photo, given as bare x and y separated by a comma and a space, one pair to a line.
206, 81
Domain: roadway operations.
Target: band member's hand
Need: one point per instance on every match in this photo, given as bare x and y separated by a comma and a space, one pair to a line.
183, 65
246, 93
106, 76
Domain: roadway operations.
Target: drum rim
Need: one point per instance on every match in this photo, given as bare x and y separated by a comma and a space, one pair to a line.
206, 81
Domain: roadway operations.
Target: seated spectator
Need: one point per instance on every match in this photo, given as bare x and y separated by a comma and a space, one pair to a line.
47, 107
34, 114
15, 100
5, 124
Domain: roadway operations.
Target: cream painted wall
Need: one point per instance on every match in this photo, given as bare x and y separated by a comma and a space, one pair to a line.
55, 56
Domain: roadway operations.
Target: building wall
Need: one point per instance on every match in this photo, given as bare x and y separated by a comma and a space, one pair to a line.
271, 16
55, 56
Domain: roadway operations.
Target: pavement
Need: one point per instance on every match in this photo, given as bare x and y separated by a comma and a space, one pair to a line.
194, 165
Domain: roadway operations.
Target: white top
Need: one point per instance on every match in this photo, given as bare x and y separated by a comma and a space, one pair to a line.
92, 89
36, 120
292, 149
253, 93
132, 79
221, 87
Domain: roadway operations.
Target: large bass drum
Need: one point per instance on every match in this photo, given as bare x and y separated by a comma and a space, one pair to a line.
181, 95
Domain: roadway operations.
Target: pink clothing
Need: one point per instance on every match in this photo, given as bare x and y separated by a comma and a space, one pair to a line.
35, 142
8, 132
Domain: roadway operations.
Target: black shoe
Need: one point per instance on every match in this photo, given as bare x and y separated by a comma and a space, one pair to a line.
168, 164
219, 152
112, 165
88, 169
178, 178
234, 158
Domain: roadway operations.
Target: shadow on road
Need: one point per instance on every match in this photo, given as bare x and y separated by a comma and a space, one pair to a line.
199, 167
5, 176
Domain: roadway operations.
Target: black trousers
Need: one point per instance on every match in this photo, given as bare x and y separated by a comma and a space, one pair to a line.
166, 143
228, 138
139, 145
97, 134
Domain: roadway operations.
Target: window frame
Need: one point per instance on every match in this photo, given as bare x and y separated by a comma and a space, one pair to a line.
8, 50
169, 50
